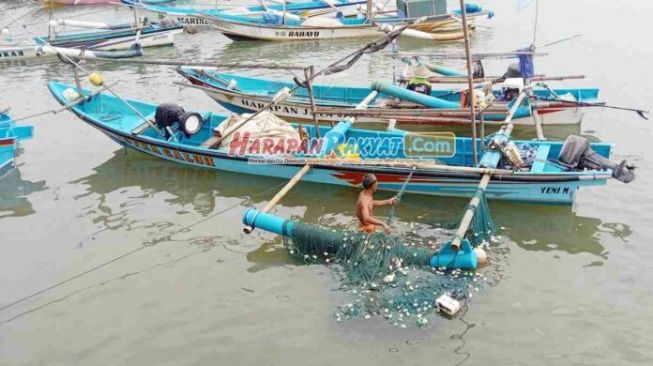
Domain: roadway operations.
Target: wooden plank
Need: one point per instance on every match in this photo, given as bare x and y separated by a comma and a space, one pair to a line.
141, 128
211, 143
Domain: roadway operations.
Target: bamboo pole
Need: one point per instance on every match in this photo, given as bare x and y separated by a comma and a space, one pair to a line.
216, 64
538, 125
308, 72
411, 163
506, 130
65, 107
277, 197
470, 81
477, 56
469, 214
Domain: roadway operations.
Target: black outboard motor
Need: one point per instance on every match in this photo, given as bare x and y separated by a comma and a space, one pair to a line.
576, 153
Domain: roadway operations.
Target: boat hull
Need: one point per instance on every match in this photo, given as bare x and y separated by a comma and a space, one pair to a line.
190, 16
10, 135
250, 31
12, 53
243, 103
156, 38
543, 187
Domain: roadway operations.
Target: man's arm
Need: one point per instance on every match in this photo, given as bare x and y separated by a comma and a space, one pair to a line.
388, 202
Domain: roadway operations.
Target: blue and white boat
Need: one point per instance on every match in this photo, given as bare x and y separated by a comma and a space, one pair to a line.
244, 94
280, 26
198, 16
191, 139
10, 135
111, 38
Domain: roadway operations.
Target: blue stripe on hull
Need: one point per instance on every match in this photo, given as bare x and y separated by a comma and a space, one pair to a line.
552, 193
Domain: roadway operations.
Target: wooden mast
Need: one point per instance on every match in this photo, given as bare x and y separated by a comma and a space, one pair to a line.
470, 80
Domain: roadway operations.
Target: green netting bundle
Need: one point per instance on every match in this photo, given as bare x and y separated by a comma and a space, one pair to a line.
367, 258
386, 276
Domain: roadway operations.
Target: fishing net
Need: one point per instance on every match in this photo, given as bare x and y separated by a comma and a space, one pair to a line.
387, 277
482, 227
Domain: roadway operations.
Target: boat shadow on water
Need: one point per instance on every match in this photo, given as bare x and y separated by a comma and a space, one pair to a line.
547, 227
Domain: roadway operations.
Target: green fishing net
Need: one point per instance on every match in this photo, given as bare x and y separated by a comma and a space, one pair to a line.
482, 227
386, 276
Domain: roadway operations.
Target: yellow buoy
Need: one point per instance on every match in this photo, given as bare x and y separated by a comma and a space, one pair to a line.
96, 79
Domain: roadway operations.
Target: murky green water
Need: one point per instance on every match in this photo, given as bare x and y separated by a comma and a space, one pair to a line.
566, 286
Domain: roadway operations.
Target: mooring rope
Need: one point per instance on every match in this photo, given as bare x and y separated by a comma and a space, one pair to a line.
152, 243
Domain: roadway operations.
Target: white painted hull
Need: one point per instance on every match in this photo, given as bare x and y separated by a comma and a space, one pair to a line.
10, 53
297, 111
273, 33
146, 40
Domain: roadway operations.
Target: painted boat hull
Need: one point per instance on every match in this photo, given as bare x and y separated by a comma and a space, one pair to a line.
78, 2
114, 41
160, 37
244, 31
248, 101
10, 135
542, 186
194, 16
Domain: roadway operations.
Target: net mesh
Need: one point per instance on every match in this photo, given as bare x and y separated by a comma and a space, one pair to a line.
389, 277
482, 227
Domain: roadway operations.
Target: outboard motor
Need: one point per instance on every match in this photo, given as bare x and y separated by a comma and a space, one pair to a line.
576, 153
168, 114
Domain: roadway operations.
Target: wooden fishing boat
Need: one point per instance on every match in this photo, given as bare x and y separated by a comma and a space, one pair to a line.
450, 174
10, 135
101, 2
151, 35
242, 94
77, 2
96, 40
198, 16
284, 28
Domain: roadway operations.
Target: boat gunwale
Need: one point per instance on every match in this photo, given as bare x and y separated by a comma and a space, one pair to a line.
515, 178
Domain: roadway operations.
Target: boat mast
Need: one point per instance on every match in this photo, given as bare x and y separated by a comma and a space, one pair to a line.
470, 80
368, 11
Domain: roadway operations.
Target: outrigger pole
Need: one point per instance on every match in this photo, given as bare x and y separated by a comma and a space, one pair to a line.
468, 216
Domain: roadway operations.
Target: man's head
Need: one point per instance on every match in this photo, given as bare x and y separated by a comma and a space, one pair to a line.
369, 181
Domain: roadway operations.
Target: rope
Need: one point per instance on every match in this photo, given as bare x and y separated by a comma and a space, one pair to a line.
150, 244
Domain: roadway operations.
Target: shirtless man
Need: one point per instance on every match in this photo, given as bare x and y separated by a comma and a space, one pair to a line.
366, 204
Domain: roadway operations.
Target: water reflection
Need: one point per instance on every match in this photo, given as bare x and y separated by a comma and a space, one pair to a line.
13, 194
532, 227
547, 228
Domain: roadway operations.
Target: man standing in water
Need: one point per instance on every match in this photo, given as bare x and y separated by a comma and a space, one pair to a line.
366, 204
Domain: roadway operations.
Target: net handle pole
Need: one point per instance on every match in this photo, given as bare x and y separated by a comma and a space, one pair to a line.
469, 213
277, 197
399, 195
